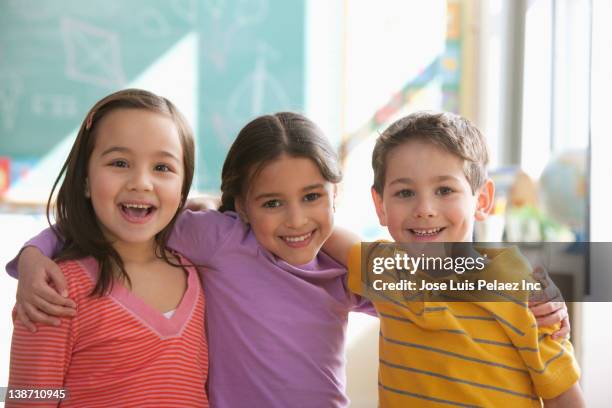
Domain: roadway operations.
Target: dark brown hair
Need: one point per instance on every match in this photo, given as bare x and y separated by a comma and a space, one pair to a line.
448, 131
266, 138
76, 221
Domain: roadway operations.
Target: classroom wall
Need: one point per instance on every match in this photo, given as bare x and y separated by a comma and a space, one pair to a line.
57, 57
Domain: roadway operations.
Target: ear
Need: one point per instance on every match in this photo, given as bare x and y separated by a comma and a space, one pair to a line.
380, 208
240, 210
484, 205
87, 192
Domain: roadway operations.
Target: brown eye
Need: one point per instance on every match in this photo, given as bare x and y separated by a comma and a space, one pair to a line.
404, 193
162, 168
119, 163
272, 204
445, 190
312, 197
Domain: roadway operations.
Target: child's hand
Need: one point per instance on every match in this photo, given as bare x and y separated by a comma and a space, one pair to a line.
550, 313
548, 306
37, 300
202, 203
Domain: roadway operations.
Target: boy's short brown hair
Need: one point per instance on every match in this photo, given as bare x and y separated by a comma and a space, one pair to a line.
448, 131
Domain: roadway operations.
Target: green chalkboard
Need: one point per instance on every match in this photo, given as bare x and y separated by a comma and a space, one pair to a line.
57, 57
252, 62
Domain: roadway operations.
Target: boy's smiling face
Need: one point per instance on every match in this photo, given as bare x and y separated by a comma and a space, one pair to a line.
427, 197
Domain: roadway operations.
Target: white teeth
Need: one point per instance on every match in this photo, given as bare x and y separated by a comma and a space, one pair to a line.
426, 231
145, 206
297, 239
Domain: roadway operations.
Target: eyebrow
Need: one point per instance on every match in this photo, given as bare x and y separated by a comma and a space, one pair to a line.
119, 149
305, 189
408, 180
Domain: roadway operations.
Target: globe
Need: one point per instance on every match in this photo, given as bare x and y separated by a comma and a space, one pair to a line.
563, 189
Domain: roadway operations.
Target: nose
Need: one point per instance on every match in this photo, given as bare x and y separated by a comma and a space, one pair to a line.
296, 216
140, 180
424, 208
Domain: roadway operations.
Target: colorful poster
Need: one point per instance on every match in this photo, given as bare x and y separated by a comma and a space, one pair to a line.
5, 171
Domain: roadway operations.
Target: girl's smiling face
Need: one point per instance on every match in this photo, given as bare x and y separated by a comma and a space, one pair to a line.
289, 206
135, 175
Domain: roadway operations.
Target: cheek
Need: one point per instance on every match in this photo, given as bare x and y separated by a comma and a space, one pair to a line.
469, 210
396, 212
177, 193
263, 225
462, 213
102, 199
323, 215
102, 188
326, 210
171, 190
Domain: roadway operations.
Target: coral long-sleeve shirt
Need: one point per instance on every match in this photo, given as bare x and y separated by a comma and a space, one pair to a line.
116, 351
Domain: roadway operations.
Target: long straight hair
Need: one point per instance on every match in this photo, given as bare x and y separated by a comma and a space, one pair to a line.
76, 222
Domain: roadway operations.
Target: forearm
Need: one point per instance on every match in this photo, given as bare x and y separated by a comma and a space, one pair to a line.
571, 398
46, 242
339, 244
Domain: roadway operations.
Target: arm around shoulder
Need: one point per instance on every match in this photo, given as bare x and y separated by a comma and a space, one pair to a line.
39, 301
198, 235
46, 242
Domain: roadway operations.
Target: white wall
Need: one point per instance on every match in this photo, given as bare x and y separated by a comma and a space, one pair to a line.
14, 230
596, 330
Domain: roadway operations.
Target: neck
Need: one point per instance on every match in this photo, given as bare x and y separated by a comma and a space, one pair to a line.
136, 253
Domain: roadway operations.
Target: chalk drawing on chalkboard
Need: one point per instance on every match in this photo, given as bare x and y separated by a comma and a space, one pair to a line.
154, 24
11, 89
246, 12
93, 55
59, 106
187, 9
258, 89
219, 46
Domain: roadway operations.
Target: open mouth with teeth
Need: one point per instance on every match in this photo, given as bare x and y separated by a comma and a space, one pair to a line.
136, 212
298, 241
426, 232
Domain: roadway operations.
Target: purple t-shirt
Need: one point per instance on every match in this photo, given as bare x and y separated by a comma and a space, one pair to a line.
275, 331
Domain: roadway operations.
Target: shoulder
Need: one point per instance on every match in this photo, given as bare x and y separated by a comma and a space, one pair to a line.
180, 260
501, 253
365, 252
80, 276
507, 261
208, 222
208, 216
78, 268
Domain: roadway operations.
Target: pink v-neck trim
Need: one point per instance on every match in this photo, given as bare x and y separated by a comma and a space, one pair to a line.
151, 318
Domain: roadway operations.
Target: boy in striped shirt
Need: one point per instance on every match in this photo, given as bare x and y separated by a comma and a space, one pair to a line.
430, 185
